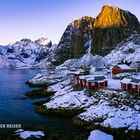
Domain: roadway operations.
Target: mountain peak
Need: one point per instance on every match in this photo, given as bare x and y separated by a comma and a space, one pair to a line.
109, 7
83, 21
43, 41
114, 17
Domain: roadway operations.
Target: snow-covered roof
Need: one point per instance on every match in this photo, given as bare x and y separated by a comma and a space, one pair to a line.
133, 80
78, 71
126, 80
93, 78
123, 66
74, 72
82, 76
86, 77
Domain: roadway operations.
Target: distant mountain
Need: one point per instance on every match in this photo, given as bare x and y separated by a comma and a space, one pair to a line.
109, 28
44, 41
25, 53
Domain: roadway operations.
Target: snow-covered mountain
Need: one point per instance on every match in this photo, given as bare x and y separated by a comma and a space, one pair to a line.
44, 41
126, 52
110, 27
85, 41
26, 53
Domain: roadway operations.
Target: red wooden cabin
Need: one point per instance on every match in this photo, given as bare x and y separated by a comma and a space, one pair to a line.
94, 82
121, 68
90, 81
132, 85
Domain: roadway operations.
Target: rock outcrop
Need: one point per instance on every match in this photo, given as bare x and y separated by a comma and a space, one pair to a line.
74, 41
112, 26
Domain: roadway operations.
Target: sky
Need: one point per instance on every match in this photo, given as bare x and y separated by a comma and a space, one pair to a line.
49, 18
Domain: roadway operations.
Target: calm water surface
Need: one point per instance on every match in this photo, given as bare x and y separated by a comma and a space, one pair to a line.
15, 108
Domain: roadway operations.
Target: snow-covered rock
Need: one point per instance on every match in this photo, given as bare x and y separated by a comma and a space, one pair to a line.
128, 51
49, 76
58, 86
114, 110
111, 26
99, 135
69, 100
27, 134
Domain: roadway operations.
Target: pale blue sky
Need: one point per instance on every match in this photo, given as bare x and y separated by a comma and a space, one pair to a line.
49, 18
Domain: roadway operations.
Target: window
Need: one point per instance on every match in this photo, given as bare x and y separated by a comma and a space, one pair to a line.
102, 84
133, 86
124, 86
92, 84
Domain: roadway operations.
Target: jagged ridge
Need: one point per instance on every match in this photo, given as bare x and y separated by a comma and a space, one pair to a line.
25, 53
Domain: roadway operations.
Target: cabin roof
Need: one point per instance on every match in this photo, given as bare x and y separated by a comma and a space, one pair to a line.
93, 78
86, 77
74, 71
133, 80
123, 66
100, 78
126, 80
99, 68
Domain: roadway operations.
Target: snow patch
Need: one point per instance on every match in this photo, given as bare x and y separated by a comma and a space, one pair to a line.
27, 134
87, 60
115, 84
99, 135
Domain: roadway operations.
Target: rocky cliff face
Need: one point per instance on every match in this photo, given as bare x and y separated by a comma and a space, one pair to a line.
109, 28
74, 41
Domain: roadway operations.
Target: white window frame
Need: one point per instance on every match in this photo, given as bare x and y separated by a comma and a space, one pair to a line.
133, 86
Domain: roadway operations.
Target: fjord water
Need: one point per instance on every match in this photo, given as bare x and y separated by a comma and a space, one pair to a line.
16, 108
